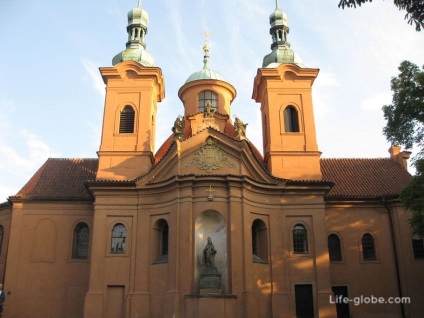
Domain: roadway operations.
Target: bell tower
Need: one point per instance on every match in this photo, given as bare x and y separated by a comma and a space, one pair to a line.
283, 86
133, 88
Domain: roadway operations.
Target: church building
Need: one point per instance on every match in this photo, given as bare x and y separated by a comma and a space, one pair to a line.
208, 225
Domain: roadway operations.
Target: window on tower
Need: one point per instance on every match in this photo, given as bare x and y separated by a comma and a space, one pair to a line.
126, 121
205, 97
291, 119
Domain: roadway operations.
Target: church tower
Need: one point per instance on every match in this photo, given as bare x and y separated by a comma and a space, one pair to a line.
133, 88
283, 86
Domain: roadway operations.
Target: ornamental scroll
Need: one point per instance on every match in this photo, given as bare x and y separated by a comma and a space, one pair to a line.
209, 157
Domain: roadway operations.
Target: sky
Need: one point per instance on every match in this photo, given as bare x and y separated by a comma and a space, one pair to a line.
52, 94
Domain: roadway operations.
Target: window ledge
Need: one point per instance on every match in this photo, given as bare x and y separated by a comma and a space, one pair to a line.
161, 260
257, 259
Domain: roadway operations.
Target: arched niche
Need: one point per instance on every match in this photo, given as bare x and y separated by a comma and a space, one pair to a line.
44, 242
211, 224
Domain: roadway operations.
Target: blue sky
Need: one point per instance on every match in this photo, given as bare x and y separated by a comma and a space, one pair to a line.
51, 92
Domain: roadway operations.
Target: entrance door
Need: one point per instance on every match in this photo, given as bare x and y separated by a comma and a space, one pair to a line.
304, 301
115, 303
342, 308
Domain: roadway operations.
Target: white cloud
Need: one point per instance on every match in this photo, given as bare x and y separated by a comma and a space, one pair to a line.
21, 152
376, 101
325, 92
92, 70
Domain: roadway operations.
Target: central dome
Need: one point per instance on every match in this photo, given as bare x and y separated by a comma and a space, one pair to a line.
206, 73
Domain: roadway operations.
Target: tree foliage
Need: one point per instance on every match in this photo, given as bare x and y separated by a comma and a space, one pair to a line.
405, 116
405, 126
413, 199
414, 9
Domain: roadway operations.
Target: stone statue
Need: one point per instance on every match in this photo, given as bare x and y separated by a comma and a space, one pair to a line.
178, 128
240, 128
209, 254
209, 111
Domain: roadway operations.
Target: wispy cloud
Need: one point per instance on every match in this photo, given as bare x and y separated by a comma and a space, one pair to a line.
325, 93
21, 152
93, 73
375, 102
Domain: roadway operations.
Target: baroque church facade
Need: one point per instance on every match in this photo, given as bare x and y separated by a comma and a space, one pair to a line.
208, 226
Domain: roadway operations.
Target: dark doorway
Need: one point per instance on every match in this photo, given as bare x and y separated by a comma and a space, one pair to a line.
342, 308
304, 301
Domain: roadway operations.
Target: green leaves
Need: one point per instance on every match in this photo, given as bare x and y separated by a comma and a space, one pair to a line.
414, 9
405, 116
405, 126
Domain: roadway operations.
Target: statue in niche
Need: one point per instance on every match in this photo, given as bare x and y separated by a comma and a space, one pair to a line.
209, 254
178, 128
209, 111
240, 128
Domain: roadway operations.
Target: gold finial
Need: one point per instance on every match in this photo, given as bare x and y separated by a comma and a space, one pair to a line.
210, 191
206, 34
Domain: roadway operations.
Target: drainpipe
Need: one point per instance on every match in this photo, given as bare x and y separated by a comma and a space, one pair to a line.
392, 233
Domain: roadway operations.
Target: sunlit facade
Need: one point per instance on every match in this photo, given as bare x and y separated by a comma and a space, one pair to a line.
209, 226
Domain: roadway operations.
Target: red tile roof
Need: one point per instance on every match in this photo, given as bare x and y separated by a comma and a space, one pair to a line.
63, 179
60, 179
364, 178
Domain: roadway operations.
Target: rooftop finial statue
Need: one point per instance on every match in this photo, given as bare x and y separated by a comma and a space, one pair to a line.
178, 128
240, 127
209, 111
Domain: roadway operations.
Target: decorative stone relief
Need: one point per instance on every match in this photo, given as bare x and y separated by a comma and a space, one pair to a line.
210, 157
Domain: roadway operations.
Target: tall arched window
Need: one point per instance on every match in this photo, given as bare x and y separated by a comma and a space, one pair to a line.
205, 97
418, 247
119, 236
291, 119
259, 241
334, 247
300, 239
81, 240
1, 238
368, 247
126, 120
161, 241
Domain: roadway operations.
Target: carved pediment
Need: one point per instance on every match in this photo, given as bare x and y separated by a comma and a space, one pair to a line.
209, 152
210, 157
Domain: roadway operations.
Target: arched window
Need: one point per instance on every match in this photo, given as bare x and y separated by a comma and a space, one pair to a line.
259, 241
418, 247
161, 241
368, 247
334, 247
205, 97
300, 239
81, 240
291, 119
119, 235
1, 238
126, 120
